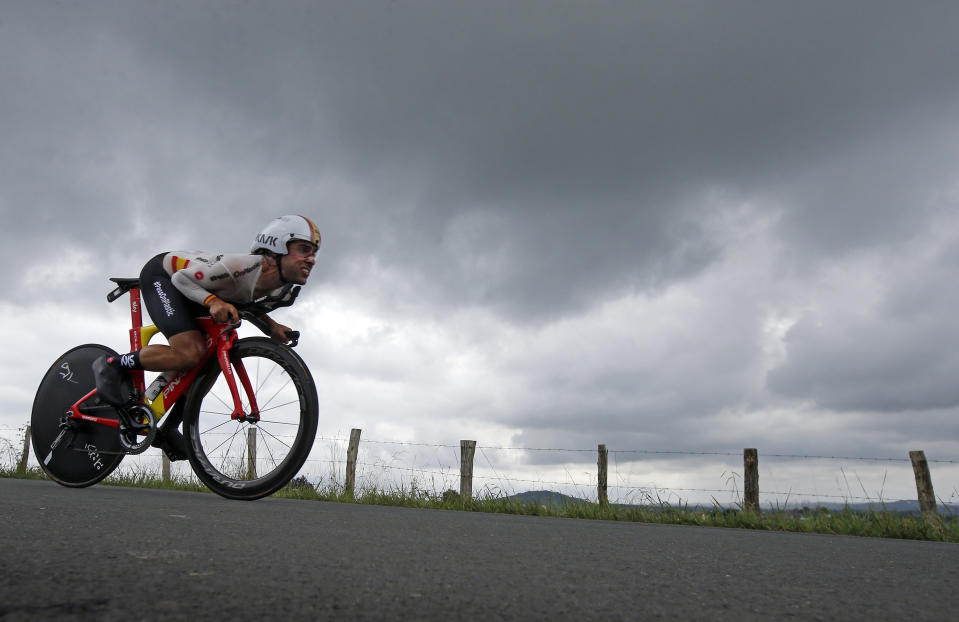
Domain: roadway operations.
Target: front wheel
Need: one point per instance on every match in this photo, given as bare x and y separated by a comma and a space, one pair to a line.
88, 452
244, 460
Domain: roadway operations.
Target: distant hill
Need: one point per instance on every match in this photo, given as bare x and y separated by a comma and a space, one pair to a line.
551, 498
547, 498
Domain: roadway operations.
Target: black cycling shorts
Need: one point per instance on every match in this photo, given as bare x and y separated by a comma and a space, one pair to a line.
170, 310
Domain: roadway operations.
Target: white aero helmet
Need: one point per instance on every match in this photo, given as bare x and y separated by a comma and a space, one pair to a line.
284, 229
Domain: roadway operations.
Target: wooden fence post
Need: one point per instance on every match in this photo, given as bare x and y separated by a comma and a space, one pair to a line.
25, 456
165, 468
603, 463
251, 453
351, 453
751, 480
927, 498
467, 448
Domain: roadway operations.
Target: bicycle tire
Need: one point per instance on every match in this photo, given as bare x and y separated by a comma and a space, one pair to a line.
217, 445
81, 461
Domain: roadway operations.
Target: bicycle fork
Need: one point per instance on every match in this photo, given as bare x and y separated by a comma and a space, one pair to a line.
224, 346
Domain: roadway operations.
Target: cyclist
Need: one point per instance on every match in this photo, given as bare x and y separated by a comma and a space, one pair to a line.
177, 287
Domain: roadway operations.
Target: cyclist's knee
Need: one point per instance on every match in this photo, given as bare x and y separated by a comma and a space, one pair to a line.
188, 348
191, 358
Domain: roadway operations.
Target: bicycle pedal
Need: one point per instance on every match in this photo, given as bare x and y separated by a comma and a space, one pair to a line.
137, 428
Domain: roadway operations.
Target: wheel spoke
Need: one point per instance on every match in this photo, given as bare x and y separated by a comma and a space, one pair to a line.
274, 437
227, 405
230, 438
272, 397
219, 425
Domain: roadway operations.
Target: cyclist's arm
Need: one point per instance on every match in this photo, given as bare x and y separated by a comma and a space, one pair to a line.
277, 331
220, 310
231, 277
190, 287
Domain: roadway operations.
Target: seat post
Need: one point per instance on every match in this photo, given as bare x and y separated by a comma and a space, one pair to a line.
136, 338
136, 317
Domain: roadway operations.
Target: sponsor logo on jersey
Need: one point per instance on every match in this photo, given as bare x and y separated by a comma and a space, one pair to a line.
198, 275
238, 273
217, 277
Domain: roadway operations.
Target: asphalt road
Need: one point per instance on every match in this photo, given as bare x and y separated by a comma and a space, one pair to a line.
106, 553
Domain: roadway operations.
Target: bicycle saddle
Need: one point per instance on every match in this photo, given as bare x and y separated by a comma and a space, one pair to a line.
123, 286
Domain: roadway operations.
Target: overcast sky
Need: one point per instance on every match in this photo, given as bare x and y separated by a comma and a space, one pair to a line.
690, 226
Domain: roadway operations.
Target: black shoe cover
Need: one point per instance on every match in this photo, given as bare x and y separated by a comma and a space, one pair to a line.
113, 386
172, 443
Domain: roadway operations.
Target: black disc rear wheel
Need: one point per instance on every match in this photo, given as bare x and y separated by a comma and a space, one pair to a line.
79, 459
245, 459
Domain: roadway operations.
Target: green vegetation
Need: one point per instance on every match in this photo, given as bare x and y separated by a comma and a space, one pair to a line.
873, 523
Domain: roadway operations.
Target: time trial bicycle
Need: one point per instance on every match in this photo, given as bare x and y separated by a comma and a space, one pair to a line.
241, 384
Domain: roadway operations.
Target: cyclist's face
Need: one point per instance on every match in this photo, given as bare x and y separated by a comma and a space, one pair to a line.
298, 262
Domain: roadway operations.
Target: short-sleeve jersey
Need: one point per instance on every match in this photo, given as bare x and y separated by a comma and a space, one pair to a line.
200, 275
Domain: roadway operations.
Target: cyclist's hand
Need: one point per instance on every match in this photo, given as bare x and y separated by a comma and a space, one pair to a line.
278, 332
223, 312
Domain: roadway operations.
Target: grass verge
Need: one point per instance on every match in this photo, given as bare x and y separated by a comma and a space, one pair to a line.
877, 524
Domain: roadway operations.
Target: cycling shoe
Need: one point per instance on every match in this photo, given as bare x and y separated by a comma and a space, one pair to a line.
113, 385
172, 443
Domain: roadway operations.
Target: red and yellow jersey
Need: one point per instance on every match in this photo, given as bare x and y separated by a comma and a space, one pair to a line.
201, 275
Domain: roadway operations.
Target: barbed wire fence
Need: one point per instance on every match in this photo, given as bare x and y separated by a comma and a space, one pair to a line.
627, 462
405, 466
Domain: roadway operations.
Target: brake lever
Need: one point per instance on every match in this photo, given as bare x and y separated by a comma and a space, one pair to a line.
294, 337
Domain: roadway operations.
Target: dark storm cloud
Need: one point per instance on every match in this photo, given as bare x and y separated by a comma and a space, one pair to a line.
587, 130
86, 159
509, 100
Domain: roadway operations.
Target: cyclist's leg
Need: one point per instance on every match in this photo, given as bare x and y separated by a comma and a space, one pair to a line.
185, 352
173, 314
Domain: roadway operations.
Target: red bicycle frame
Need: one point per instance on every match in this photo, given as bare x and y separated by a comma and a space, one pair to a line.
219, 340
